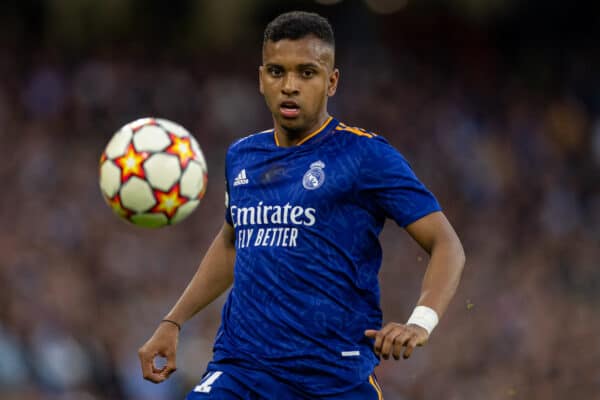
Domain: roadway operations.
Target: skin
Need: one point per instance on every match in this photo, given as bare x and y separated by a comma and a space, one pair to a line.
303, 71
447, 258
213, 277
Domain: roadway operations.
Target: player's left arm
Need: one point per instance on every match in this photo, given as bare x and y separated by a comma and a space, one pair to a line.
447, 258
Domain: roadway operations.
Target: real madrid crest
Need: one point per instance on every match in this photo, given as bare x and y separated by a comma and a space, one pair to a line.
315, 176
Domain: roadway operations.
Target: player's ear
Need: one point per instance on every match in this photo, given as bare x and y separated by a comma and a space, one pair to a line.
334, 78
260, 82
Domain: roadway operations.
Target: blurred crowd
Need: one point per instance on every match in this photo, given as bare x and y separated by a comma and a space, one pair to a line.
513, 154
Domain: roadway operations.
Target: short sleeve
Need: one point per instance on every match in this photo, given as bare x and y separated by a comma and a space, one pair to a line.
388, 183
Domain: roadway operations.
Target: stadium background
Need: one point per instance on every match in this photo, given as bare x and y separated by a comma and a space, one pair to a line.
495, 103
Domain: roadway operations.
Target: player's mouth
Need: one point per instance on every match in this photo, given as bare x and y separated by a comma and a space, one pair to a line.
289, 109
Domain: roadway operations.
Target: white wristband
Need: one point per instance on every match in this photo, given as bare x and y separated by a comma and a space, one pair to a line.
425, 317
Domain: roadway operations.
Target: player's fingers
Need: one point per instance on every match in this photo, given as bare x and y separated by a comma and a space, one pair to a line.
410, 346
379, 339
386, 330
388, 343
157, 370
399, 343
145, 361
170, 366
396, 350
149, 371
155, 378
381, 335
370, 333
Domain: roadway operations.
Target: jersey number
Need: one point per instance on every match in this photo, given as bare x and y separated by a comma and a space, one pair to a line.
205, 385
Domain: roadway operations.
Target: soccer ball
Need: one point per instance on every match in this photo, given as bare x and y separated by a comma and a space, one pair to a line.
153, 173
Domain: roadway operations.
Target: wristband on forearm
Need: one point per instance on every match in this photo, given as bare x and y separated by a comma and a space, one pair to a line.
172, 322
424, 317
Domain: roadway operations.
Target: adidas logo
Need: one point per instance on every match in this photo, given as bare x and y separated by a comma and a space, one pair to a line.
241, 178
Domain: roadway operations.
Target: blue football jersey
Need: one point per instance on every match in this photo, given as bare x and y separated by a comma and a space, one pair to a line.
307, 220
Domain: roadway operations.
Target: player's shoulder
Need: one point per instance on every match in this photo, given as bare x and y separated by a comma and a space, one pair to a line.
254, 139
360, 137
367, 144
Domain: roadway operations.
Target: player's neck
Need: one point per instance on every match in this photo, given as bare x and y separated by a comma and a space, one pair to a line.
288, 138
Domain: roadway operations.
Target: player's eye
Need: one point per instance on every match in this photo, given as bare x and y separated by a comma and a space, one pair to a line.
275, 72
308, 73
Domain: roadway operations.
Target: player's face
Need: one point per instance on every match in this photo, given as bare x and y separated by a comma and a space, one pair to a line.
296, 78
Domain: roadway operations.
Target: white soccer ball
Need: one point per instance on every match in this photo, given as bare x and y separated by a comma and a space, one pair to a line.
153, 173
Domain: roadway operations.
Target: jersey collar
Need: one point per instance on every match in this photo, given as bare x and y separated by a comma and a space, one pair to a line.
323, 129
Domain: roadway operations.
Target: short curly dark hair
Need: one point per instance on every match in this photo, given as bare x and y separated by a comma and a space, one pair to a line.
298, 24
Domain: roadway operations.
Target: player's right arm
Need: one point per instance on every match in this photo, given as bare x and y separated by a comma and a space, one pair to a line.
213, 277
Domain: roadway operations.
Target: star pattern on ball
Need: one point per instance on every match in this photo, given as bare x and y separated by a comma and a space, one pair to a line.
169, 202
131, 164
182, 148
149, 170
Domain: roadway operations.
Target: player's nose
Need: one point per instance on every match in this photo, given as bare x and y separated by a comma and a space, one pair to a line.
290, 84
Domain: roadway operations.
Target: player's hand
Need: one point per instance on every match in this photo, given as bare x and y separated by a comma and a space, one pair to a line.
393, 337
164, 344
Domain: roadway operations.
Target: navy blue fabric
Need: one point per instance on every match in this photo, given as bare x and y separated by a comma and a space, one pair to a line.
307, 220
